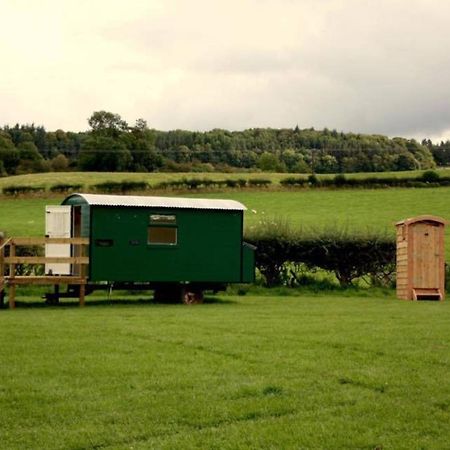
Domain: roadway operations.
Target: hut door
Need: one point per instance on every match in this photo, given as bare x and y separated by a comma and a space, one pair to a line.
426, 256
57, 225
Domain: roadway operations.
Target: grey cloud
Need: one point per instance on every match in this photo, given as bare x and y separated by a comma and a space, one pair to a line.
374, 67
383, 74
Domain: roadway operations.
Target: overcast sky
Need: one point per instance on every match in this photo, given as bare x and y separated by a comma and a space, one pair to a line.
370, 66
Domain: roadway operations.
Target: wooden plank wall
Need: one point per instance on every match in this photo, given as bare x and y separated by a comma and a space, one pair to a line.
402, 263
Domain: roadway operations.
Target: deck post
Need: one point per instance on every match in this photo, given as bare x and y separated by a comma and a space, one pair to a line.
12, 296
82, 294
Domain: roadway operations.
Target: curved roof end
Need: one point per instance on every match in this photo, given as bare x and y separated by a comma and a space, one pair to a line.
423, 218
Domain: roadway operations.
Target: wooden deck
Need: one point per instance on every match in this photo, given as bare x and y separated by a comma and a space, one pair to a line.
9, 261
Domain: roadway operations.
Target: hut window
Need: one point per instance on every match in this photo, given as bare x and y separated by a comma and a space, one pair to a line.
161, 235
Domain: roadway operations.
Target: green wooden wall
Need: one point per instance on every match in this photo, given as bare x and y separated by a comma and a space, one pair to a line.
208, 249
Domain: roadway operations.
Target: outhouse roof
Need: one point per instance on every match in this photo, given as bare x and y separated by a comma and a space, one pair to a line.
424, 218
159, 202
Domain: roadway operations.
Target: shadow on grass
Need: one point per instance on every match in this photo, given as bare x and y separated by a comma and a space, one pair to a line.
99, 303
218, 301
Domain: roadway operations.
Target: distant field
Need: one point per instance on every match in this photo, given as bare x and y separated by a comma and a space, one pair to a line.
356, 209
242, 373
359, 209
91, 178
25, 217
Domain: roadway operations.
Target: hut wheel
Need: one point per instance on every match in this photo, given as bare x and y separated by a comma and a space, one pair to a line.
193, 297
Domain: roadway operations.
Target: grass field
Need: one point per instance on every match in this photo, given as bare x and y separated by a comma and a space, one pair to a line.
356, 209
238, 373
310, 371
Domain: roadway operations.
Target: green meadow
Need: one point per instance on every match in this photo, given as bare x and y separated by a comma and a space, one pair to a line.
235, 373
338, 369
357, 209
354, 209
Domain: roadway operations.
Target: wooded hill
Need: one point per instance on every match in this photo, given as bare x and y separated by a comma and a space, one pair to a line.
112, 145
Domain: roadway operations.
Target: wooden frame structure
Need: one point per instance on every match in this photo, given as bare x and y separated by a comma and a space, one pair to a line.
9, 261
421, 258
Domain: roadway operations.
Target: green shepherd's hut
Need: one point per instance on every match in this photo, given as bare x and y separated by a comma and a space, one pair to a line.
178, 246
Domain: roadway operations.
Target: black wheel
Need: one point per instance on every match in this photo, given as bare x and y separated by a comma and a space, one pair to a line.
192, 297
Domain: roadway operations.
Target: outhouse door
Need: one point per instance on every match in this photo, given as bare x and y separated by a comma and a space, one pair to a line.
426, 255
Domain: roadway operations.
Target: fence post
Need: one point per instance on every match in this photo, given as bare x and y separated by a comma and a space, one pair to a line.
12, 274
82, 274
2, 270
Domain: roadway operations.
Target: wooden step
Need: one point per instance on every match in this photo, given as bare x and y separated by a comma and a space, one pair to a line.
427, 294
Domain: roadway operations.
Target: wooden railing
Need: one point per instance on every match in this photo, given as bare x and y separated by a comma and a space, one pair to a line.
9, 261
3, 244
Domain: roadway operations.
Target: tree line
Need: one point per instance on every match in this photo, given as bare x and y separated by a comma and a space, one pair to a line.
112, 145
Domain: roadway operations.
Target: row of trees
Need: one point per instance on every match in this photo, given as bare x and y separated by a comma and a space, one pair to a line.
112, 144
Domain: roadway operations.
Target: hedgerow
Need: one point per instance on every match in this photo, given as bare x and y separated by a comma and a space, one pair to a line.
429, 178
294, 181
201, 183
347, 255
120, 186
259, 182
19, 189
62, 187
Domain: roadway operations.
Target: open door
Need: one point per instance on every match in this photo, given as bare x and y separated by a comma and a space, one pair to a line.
58, 225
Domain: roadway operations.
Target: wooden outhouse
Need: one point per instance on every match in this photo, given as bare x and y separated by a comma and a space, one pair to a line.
421, 258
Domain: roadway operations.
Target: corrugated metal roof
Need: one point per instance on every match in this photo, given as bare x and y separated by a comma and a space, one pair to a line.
160, 202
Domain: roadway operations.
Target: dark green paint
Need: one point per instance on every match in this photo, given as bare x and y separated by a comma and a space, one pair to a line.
209, 247
248, 263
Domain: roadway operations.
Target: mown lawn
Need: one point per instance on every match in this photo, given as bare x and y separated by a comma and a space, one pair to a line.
243, 372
